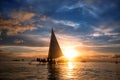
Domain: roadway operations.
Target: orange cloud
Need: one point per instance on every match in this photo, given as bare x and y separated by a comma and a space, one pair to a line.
21, 15
17, 22
13, 26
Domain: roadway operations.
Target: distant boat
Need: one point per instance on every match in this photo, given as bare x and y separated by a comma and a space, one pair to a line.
54, 49
116, 62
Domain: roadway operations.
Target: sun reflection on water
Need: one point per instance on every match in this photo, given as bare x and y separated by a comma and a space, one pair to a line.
70, 65
70, 72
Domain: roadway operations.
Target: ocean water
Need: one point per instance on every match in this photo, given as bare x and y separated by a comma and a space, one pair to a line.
14, 70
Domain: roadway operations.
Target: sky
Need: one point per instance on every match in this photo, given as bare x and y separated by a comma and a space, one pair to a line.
88, 26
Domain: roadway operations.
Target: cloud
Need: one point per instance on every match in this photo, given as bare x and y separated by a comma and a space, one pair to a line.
104, 30
114, 39
66, 23
43, 18
18, 41
22, 16
104, 45
36, 40
25, 40
96, 34
85, 46
65, 15
13, 26
77, 41
18, 22
91, 1
98, 50
67, 40
39, 20
85, 7
24, 49
8, 52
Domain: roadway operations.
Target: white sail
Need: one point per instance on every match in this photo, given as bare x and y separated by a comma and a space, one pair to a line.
54, 48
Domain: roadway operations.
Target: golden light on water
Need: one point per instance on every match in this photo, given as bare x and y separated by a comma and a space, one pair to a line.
70, 65
70, 53
70, 70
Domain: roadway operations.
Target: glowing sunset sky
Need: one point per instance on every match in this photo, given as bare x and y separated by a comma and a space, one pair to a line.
88, 26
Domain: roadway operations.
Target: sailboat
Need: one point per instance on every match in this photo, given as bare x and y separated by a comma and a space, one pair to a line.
54, 49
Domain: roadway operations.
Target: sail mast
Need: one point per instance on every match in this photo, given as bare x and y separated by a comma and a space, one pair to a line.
54, 48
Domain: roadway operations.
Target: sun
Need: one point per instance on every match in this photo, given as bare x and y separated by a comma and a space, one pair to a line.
70, 53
